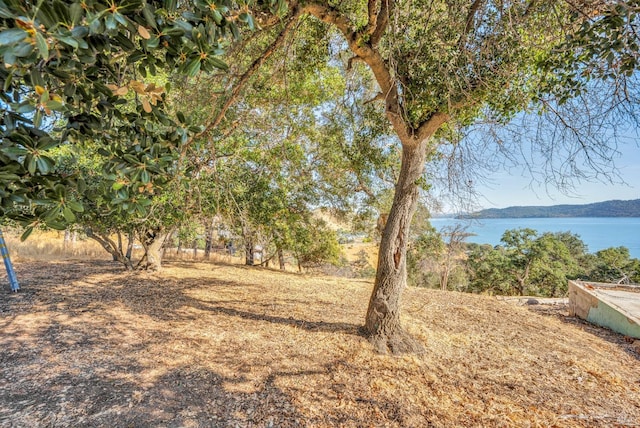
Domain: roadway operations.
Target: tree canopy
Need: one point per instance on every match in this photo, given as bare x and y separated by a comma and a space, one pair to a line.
76, 71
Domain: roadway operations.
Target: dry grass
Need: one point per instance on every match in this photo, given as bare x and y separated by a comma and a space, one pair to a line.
203, 345
50, 245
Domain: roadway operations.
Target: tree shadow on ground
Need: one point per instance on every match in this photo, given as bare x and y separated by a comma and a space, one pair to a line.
75, 368
320, 326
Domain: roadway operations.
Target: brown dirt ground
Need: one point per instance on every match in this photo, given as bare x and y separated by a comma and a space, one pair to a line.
208, 345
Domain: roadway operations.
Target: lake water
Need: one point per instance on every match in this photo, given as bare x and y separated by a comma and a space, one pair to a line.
598, 233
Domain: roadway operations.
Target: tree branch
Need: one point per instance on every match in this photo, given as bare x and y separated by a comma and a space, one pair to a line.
242, 81
382, 21
351, 60
366, 51
468, 26
372, 6
471, 15
379, 96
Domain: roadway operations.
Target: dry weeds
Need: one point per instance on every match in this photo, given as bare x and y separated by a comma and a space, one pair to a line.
206, 345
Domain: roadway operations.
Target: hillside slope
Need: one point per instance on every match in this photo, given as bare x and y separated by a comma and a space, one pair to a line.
614, 208
218, 345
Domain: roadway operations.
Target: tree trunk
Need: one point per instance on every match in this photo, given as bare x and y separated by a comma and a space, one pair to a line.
195, 248
382, 323
248, 252
444, 278
110, 246
208, 243
154, 241
281, 258
130, 239
120, 243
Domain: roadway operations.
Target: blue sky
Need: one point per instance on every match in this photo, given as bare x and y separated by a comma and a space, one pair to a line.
510, 189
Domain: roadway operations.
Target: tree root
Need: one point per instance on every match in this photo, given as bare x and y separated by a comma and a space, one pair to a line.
397, 343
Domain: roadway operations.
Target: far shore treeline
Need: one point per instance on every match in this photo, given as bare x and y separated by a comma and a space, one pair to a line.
614, 208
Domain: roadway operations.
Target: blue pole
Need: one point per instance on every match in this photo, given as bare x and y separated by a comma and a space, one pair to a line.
13, 280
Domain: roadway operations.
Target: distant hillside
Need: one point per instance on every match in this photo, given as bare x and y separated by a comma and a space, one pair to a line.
599, 209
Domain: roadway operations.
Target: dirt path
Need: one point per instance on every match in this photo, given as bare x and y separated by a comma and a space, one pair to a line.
206, 345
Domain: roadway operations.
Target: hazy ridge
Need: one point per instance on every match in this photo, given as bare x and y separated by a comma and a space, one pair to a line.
613, 208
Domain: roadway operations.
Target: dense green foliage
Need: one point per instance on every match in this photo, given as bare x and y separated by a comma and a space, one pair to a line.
614, 208
526, 263
76, 71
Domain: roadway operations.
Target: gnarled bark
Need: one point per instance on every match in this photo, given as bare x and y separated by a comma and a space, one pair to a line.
152, 241
383, 317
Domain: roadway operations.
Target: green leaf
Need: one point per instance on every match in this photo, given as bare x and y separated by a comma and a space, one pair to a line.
251, 23
144, 176
120, 18
22, 50
7, 81
234, 30
55, 105
56, 225
67, 40
52, 214
218, 63
12, 36
68, 214
26, 233
140, 209
15, 151
82, 185
4, 12
37, 119
9, 57
193, 67
44, 164
60, 191
25, 108
170, 5
75, 206
149, 16
41, 43
152, 43
75, 13
110, 22
32, 165
217, 17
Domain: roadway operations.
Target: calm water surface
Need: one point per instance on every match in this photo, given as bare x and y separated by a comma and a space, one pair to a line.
597, 233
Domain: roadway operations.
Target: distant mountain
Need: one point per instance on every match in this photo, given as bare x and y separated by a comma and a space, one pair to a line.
599, 209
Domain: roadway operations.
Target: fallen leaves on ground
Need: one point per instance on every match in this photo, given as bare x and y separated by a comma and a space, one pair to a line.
207, 345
